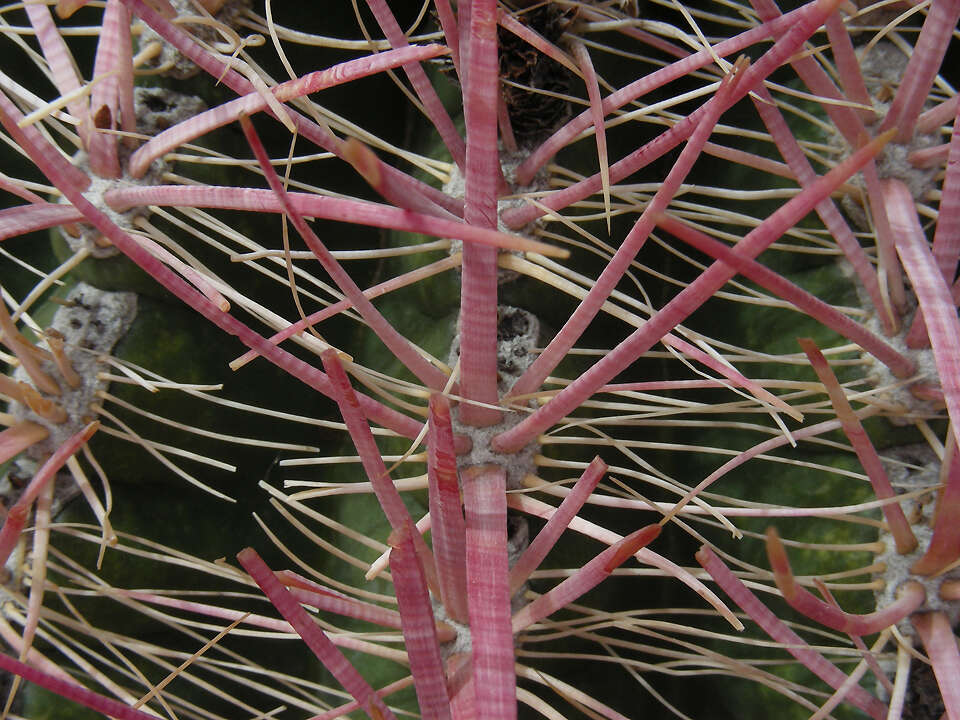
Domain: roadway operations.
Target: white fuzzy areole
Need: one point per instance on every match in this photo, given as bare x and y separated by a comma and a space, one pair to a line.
176, 107
920, 469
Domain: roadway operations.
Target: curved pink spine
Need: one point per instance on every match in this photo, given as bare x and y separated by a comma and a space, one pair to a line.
586, 578
419, 628
943, 547
448, 529
451, 31
358, 212
537, 550
588, 308
387, 495
778, 630
105, 95
71, 691
62, 65
839, 229
848, 66
869, 658
750, 453
899, 526
922, 68
254, 102
946, 238
57, 170
421, 83
684, 303
900, 365
409, 193
938, 115
401, 348
936, 302
338, 307
385, 691
478, 289
348, 607
912, 596
313, 636
17, 438
28, 218
941, 646
30, 137
537, 508
582, 56
569, 132
785, 46
488, 590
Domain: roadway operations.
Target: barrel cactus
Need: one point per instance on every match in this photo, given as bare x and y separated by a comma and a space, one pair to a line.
480, 359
